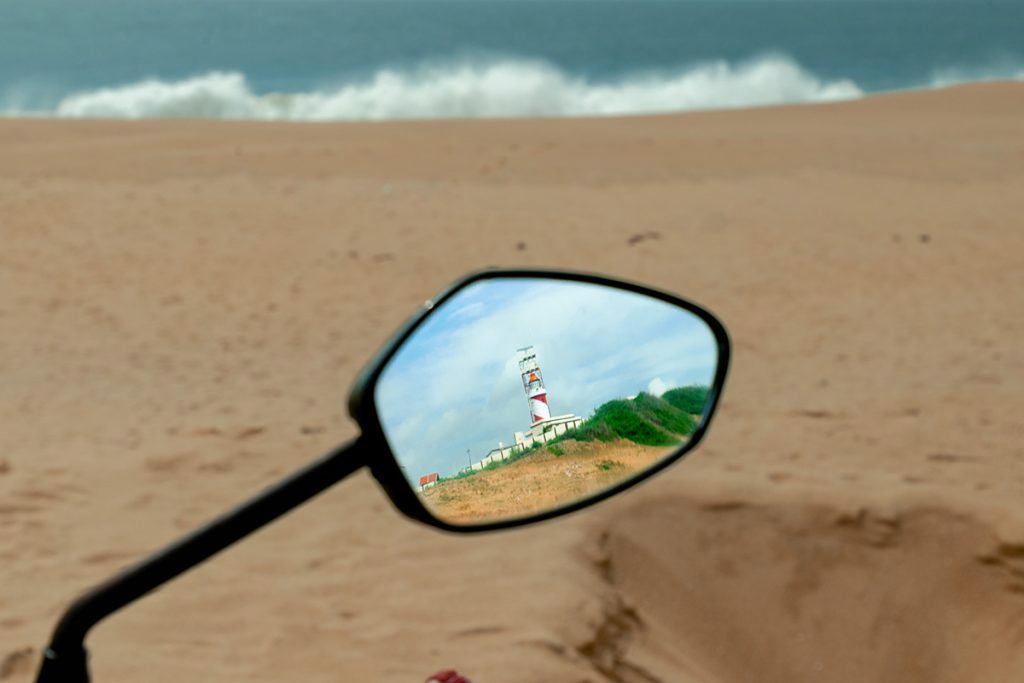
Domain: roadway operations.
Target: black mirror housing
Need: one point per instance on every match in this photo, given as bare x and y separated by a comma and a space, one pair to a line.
382, 460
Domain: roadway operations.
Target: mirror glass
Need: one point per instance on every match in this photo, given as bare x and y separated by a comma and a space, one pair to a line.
517, 396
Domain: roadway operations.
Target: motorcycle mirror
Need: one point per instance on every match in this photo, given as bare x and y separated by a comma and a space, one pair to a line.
518, 396
515, 396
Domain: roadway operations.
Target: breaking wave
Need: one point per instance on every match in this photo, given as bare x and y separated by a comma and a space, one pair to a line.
956, 75
488, 89
500, 88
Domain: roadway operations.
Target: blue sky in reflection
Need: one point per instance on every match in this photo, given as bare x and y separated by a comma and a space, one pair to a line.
455, 383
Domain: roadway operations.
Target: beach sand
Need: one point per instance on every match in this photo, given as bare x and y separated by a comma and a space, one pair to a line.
184, 305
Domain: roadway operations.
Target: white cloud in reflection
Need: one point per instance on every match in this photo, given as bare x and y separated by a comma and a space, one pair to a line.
657, 387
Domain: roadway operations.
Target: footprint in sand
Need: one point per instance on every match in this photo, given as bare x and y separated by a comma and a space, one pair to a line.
169, 463
17, 663
643, 237
109, 557
38, 494
479, 631
1009, 558
250, 432
950, 457
217, 466
8, 509
141, 501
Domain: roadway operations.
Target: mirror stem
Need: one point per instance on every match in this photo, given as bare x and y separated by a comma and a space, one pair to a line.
65, 660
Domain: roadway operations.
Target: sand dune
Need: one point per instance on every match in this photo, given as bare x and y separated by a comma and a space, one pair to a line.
798, 592
184, 304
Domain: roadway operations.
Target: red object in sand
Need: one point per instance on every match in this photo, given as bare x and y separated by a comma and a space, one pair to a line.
448, 676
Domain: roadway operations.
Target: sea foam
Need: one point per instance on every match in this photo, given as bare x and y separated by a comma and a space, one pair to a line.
497, 88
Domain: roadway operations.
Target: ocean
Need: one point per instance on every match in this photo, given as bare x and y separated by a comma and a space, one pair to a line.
400, 59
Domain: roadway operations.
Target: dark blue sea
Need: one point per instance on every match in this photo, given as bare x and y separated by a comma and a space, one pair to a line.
333, 59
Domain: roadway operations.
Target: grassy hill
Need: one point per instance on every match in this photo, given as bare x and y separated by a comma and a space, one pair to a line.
690, 399
646, 420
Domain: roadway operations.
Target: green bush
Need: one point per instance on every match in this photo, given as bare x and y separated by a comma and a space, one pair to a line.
459, 475
622, 418
664, 414
646, 420
690, 399
556, 451
594, 429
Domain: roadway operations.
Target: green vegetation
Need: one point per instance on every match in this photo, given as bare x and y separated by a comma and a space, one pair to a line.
646, 420
624, 419
664, 414
690, 399
592, 430
458, 475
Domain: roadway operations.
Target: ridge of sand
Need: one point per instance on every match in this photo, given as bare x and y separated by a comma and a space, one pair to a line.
183, 306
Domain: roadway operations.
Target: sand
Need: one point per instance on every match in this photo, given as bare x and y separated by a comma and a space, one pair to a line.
183, 306
540, 481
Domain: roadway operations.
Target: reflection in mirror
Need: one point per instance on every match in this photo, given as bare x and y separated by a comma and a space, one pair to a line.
522, 395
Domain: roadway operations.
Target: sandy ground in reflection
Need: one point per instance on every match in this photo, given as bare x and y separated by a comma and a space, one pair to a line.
540, 481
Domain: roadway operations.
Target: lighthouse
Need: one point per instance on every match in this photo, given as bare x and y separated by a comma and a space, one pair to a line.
533, 385
543, 427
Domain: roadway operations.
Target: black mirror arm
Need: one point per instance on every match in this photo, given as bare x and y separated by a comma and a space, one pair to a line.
65, 660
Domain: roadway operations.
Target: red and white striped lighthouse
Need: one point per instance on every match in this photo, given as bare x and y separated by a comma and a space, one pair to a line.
533, 385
